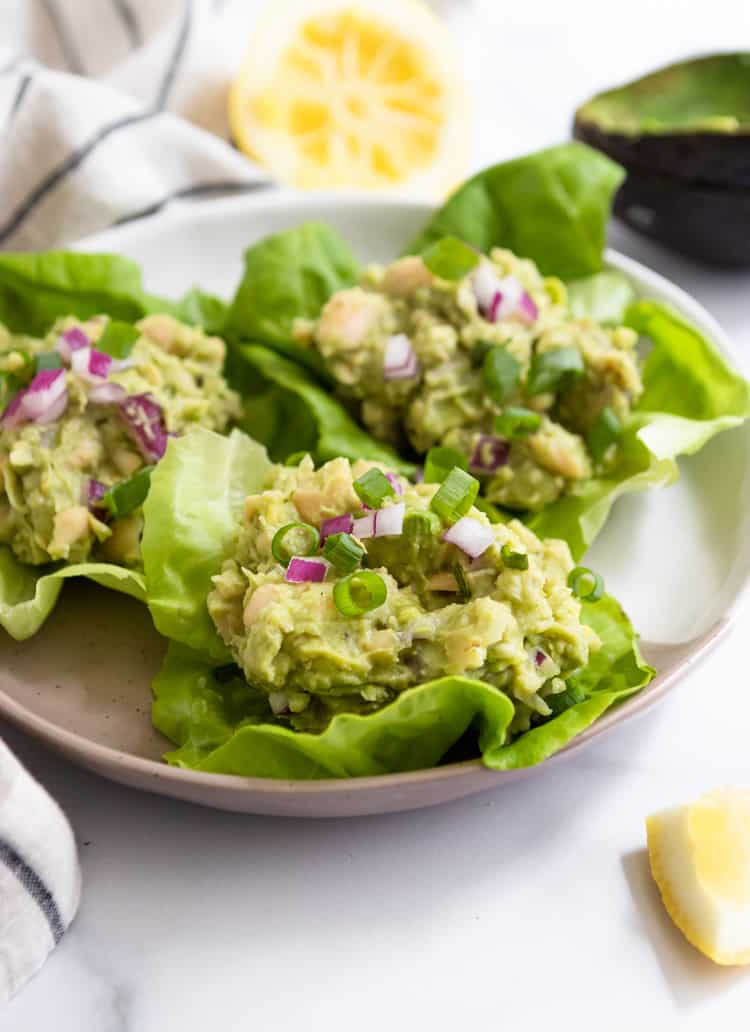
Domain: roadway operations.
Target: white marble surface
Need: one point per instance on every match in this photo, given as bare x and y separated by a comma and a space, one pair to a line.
521, 908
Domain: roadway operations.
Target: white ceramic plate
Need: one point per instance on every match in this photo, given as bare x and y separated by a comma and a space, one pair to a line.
677, 558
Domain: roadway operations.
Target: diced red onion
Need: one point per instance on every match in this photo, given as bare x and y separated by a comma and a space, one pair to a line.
385, 522
107, 393
543, 663
471, 536
418, 477
93, 492
91, 365
302, 570
100, 364
527, 309
278, 702
395, 483
490, 453
144, 419
484, 282
336, 525
43, 401
71, 340
501, 297
400, 360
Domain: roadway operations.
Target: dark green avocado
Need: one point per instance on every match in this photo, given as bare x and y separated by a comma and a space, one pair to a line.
683, 135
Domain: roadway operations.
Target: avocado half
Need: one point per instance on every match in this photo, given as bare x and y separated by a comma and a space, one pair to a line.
683, 135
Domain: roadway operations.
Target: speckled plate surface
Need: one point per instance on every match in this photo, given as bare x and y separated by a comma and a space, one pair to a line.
678, 559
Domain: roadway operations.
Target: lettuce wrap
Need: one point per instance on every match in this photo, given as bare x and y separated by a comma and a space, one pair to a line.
222, 724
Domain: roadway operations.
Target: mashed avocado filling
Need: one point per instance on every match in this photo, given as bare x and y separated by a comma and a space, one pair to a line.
444, 614
54, 473
493, 656
452, 397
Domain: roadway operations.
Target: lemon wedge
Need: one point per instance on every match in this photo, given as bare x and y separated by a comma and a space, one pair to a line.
700, 859
365, 94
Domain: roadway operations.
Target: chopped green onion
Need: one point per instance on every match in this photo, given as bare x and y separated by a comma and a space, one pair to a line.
343, 552
295, 458
515, 421
514, 560
564, 700
603, 433
450, 258
305, 541
440, 461
421, 526
455, 496
47, 360
359, 593
373, 487
117, 339
464, 587
553, 370
501, 373
493, 513
126, 496
585, 584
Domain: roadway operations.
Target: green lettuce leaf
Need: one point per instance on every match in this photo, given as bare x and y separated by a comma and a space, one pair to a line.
614, 672
223, 725
36, 289
604, 296
289, 275
191, 521
690, 394
551, 206
289, 411
28, 593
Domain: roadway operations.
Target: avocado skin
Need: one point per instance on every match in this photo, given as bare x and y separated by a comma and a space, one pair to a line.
698, 158
711, 224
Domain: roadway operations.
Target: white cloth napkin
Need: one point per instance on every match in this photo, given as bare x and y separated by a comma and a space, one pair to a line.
40, 880
89, 94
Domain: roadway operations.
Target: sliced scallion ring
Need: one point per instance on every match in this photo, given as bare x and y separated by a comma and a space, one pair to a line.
455, 496
553, 370
440, 461
126, 496
515, 421
359, 593
450, 258
585, 584
421, 526
292, 539
464, 587
514, 560
501, 373
604, 433
373, 487
47, 360
343, 552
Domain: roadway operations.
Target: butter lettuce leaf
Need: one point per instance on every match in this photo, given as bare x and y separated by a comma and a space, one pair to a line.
191, 521
690, 394
551, 206
288, 411
287, 276
28, 594
221, 724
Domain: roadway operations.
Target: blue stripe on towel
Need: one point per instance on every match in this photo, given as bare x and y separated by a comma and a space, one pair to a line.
35, 887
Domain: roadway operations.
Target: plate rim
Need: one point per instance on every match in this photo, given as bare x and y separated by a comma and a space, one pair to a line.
105, 757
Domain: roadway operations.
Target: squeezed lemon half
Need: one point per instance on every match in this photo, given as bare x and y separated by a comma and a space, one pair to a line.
700, 860
366, 94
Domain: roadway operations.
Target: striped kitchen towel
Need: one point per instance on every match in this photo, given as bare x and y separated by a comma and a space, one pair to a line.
109, 109
40, 880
